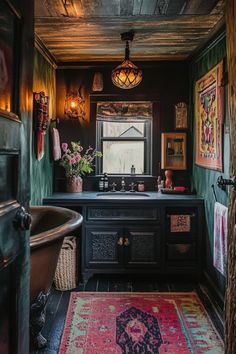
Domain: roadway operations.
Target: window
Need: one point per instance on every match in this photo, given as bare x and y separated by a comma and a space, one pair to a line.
124, 136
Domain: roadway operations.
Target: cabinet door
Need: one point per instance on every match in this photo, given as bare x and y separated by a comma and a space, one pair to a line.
103, 247
142, 247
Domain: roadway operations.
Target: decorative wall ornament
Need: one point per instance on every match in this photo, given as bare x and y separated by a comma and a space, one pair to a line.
41, 104
209, 118
97, 82
181, 115
126, 75
74, 105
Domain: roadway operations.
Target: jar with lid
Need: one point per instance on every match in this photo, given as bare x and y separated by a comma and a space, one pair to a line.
141, 186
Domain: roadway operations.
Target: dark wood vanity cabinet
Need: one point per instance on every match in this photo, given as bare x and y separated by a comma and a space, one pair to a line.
120, 239
123, 236
118, 247
134, 239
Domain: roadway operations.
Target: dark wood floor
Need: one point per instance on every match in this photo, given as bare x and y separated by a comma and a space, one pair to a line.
58, 301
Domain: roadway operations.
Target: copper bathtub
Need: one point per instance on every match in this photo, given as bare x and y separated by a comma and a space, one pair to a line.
49, 226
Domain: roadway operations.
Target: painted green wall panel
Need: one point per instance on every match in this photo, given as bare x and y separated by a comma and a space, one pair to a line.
203, 178
42, 171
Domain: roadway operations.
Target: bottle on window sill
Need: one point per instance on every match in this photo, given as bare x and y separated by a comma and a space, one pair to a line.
132, 170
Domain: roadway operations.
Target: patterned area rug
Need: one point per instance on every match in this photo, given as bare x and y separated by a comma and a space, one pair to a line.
138, 323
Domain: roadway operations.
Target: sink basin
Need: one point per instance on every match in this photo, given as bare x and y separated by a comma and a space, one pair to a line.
122, 195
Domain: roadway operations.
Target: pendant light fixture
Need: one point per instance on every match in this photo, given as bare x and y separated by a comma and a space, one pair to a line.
126, 75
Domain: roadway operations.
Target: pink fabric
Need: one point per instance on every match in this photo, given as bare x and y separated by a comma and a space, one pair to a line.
180, 223
56, 144
220, 237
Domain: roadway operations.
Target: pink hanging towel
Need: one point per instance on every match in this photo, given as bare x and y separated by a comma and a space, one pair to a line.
220, 237
56, 144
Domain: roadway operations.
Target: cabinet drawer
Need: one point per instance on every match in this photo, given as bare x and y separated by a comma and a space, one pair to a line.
121, 213
181, 222
181, 251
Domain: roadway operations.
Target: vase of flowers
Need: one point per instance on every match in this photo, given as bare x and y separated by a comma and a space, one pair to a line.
77, 163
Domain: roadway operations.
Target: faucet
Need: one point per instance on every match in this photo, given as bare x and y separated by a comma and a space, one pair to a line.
122, 185
113, 186
132, 185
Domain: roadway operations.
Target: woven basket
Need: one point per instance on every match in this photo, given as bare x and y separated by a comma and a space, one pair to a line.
65, 275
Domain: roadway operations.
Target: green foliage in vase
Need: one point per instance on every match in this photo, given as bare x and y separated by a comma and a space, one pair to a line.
75, 161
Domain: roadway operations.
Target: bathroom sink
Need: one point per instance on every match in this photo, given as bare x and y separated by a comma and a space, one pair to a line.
125, 195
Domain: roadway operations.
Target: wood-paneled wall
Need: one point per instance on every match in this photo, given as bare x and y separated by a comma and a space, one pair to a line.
230, 314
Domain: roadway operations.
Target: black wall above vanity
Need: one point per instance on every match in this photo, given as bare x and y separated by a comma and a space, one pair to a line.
164, 83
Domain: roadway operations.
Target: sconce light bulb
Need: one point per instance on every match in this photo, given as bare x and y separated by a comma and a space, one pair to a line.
73, 104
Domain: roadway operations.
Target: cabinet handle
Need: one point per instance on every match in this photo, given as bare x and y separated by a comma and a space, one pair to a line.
120, 241
126, 242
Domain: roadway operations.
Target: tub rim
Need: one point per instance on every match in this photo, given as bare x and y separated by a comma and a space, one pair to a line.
56, 233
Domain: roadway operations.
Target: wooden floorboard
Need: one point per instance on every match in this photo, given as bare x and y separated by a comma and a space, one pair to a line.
58, 301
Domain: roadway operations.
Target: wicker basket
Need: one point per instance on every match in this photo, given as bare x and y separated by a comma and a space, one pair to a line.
65, 275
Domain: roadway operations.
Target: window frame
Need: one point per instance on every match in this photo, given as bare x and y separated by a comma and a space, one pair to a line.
148, 133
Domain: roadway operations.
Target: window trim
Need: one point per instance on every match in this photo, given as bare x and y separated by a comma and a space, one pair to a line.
148, 147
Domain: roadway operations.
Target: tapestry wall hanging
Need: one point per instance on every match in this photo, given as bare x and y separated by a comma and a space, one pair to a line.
209, 118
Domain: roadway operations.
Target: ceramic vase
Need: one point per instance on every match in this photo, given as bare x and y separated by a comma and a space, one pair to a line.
74, 184
168, 181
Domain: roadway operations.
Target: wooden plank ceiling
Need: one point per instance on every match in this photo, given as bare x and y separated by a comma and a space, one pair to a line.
89, 30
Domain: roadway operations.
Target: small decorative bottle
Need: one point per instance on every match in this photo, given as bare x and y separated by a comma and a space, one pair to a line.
141, 187
170, 150
159, 184
132, 170
105, 178
101, 184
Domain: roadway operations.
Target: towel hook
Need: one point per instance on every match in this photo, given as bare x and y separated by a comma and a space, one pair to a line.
223, 182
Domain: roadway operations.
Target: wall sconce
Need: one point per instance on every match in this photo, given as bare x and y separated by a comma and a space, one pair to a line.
74, 106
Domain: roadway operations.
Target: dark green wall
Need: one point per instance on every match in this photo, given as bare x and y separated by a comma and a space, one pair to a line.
203, 178
42, 171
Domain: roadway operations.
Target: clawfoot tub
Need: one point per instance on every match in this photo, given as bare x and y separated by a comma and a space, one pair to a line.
49, 226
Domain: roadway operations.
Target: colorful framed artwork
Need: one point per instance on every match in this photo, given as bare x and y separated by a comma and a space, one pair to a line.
209, 96
9, 64
181, 115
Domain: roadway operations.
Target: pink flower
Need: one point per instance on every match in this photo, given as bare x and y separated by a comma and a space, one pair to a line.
64, 146
78, 157
73, 161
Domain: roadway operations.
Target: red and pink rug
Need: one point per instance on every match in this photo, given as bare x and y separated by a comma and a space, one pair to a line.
138, 323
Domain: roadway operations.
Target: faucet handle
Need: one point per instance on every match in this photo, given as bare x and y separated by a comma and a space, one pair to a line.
113, 187
132, 185
122, 184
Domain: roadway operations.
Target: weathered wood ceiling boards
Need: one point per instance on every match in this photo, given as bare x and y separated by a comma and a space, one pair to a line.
89, 30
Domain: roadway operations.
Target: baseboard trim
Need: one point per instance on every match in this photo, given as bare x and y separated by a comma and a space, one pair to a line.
214, 293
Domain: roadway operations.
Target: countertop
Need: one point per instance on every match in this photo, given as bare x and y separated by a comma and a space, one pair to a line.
119, 198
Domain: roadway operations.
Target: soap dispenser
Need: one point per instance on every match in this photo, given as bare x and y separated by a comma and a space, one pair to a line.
105, 178
101, 184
